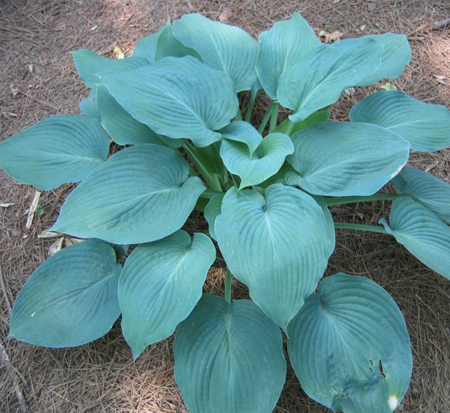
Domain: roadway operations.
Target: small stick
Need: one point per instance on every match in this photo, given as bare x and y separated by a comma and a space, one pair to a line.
3, 287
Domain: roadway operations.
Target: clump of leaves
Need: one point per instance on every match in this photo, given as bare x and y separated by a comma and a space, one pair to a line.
265, 197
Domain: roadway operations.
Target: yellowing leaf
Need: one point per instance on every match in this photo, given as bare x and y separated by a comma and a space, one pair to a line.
118, 53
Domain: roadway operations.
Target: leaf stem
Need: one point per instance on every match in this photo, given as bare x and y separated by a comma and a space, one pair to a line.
360, 227
210, 179
239, 115
228, 287
251, 105
266, 117
290, 127
354, 199
274, 118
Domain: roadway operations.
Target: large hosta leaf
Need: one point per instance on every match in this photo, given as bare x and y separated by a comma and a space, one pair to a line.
229, 358
140, 194
123, 128
350, 348
275, 243
160, 285
328, 70
223, 47
90, 64
71, 299
262, 164
422, 233
425, 188
177, 97
345, 159
425, 126
286, 44
394, 58
57, 150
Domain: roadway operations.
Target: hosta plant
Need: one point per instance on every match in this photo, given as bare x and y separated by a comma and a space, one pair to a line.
184, 141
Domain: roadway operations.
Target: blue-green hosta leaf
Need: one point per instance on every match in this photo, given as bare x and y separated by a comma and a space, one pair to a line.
422, 233
286, 44
57, 150
226, 48
265, 161
346, 159
71, 299
394, 58
160, 285
141, 194
168, 45
425, 188
425, 126
123, 128
88, 106
350, 348
212, 211
229, 358
90, 64
146, 47
244, 132
177, 97
327, 71
276, 244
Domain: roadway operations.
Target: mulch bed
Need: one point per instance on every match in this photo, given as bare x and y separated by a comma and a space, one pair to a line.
38, 79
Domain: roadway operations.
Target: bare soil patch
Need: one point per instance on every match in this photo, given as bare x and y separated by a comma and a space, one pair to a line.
38, 79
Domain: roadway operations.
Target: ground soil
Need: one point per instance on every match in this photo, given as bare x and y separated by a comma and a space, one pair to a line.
38, 79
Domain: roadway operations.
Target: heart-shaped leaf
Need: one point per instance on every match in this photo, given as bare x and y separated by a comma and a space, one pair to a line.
350, 348
346, 159
425, 126
177, 97
319, 80
71, 299
226, 48
57, 150
276, 244
90, 64
422, 233
142, 194
229, 358
160, 285
286, 44
123, 128
265, 161
425, 188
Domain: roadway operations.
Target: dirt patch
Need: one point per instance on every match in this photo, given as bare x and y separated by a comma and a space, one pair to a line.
35, 67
